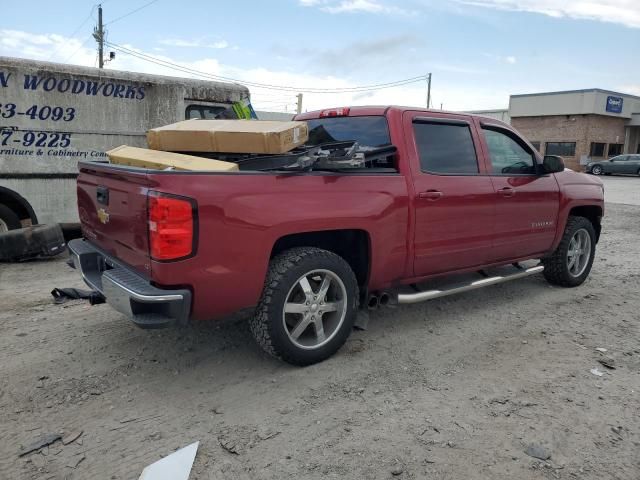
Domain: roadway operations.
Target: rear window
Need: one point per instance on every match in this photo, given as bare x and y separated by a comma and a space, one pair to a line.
367, 131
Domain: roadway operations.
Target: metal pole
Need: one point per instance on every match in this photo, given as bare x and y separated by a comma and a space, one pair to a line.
98, 34
429, 91
299, 110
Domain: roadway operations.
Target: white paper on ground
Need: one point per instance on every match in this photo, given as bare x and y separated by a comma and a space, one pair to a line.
176, 466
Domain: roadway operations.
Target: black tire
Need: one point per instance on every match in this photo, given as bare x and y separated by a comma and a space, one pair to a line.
9, 218
285, 272
639, 172
556, 267
597, 170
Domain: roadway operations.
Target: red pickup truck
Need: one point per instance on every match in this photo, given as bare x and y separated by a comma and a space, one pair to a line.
455, 196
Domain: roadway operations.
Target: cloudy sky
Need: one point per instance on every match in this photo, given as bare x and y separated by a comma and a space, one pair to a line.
479, 51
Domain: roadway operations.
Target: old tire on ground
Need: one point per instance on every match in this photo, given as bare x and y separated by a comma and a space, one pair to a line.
570, 264
31, 242
8, 219
308, 306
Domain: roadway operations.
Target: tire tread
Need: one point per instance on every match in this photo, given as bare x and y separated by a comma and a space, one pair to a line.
555, 270
278, 267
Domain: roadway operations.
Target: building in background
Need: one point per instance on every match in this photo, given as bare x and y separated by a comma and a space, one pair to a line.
279, 116
579, 125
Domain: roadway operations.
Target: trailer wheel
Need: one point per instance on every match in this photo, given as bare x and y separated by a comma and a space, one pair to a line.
308, 306
8, 219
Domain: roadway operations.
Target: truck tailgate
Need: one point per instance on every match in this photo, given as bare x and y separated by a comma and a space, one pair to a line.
112, 205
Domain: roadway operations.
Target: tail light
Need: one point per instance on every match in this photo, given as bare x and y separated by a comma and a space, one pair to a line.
335, 112
172, 222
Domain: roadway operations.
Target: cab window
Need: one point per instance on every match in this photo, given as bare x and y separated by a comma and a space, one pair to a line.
509, 155
445, 148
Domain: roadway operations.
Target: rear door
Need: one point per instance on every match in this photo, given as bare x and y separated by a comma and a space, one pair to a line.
527, 203
454, 202
634, 162
112, 205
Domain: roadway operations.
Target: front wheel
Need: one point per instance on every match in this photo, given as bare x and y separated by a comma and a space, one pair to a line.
308, 306
570, 264
596, 170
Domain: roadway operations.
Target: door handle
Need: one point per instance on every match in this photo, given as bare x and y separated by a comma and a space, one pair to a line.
507, 192
432, 195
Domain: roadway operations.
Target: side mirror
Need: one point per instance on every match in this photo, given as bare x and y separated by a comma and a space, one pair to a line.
552, 164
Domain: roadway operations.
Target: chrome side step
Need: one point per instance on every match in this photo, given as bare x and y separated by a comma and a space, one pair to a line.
404, 298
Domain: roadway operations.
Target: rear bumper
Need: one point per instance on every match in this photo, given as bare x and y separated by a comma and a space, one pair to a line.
126, 291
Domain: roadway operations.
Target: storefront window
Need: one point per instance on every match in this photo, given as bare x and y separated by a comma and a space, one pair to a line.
564, 149
597, 149
615, 149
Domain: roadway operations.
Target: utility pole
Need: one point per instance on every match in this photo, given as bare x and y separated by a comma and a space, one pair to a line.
428, 90
98, 34
299, 110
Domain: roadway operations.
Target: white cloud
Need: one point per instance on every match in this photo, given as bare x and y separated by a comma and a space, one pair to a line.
511, 60
58, 49
625, 12
194, 43
631, 89
353, 6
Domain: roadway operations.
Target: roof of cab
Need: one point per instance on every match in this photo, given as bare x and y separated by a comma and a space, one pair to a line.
374, 110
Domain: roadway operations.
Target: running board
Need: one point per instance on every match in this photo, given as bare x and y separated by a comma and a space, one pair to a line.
404, 298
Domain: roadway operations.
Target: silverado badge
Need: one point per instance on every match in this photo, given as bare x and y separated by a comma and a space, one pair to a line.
103, 216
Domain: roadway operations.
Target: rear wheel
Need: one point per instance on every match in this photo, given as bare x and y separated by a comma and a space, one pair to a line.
8, 219
638, 172
596, 170
308, 306
570, 264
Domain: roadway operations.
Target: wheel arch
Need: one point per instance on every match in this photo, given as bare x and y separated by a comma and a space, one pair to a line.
18, 204
353, 245
593, 213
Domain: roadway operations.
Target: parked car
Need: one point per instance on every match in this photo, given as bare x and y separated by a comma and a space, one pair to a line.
629, 164
311, 246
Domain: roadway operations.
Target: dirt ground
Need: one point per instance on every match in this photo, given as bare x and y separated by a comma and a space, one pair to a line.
456, 388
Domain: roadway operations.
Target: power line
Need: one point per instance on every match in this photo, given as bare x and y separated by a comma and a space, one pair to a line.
131, 12
174, 66
77, 50
75, 31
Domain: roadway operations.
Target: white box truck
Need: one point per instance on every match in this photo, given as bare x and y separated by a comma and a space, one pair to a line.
53, 115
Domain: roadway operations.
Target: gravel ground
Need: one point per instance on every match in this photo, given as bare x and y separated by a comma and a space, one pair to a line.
456, 388
622, 189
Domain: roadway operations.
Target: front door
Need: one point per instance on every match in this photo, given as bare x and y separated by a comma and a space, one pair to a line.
454, 201
527, 203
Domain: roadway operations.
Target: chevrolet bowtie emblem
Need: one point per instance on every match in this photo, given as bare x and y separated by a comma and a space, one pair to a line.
103, 216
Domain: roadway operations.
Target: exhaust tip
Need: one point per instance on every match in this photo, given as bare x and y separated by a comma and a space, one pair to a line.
373, 302
384, 299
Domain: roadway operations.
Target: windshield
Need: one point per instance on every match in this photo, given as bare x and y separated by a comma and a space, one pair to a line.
367, 131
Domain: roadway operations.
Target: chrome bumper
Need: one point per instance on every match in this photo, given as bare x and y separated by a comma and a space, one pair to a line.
126, 291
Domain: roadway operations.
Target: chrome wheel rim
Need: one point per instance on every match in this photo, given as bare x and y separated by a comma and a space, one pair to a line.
579, 253
597, 170
3, 226
315, 309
